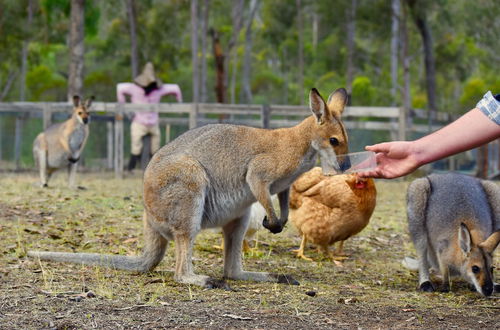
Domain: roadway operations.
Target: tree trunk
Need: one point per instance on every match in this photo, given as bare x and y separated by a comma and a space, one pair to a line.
219, 67
247, 64
132, 19
315, 28
24, 54
204, 34
194, 50
420, 18
237, 18
351, 32
300, 31
394, 50
76, 49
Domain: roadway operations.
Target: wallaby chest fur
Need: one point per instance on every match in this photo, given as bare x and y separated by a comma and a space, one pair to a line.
73, 134
61, 144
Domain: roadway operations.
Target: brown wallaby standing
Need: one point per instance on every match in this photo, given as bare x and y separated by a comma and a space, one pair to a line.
210, 176
61, 144
454, 222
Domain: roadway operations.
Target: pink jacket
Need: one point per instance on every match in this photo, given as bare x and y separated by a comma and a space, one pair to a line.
137, 96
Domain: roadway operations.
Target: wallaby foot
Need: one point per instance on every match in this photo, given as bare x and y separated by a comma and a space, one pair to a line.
44, 185
427, 286
285, 279
203, 281
81, 188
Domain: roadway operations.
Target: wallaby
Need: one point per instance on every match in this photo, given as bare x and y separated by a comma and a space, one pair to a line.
209, 177
454, 222
61, 144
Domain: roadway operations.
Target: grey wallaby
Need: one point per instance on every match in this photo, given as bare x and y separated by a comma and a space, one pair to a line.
61, 144
210, 176
454, 222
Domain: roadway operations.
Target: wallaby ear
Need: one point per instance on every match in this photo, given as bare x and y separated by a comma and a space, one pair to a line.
464, 238
89, 101
491, 243
76, 100
318, 106
337, 101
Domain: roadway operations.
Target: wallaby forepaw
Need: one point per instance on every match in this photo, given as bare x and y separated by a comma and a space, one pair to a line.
217, 284
273, 228
44, 185
285, 279
427, 286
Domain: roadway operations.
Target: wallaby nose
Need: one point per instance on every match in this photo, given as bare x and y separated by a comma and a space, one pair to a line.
346, 164
85, 120
487, 289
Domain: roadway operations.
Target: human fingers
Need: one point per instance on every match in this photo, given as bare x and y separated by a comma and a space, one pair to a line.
380, 147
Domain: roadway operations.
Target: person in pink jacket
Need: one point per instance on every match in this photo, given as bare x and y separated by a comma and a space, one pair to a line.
146, 88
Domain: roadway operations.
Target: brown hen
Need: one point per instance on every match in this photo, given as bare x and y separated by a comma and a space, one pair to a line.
329, 209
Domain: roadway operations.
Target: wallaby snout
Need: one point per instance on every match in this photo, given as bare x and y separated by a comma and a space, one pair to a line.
346, 164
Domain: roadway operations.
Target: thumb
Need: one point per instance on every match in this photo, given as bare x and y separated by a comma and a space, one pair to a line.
381, 147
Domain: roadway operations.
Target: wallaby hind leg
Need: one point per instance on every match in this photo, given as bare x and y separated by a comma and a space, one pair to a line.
418, 193
42, 167
234, 232
72, 174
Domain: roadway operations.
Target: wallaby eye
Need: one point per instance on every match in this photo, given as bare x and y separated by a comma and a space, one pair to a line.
80, 113
334, 141
475, 269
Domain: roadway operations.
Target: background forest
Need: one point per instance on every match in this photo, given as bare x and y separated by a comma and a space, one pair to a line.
446, 51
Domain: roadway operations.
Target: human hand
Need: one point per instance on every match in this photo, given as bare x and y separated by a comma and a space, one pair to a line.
394, 159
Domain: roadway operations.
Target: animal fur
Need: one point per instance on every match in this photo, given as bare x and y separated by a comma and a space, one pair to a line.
61, 144
209, 177
454, 222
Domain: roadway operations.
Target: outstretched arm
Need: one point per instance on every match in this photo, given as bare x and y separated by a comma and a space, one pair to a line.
171, 89
398, 158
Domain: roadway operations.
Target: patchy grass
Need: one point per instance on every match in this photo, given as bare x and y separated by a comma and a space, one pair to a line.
371, 290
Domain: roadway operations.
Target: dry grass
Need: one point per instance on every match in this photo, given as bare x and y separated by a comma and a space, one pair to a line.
372, 289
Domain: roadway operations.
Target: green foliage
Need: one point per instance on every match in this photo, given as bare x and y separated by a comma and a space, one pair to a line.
463, 34
363, 92
474, 89
44, 84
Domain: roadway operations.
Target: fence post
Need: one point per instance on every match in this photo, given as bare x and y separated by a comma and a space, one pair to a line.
47, 115
402, 124
109, 147
193, 116
119, 141
265, 115
167, 133
18, 139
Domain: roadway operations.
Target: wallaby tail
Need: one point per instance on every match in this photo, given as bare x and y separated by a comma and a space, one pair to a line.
139, 263
153, 253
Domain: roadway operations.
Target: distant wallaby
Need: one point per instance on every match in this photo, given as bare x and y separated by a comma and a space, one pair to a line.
61, 144
454, 222
210, 176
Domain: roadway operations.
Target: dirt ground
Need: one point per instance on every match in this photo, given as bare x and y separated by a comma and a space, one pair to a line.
371, 290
